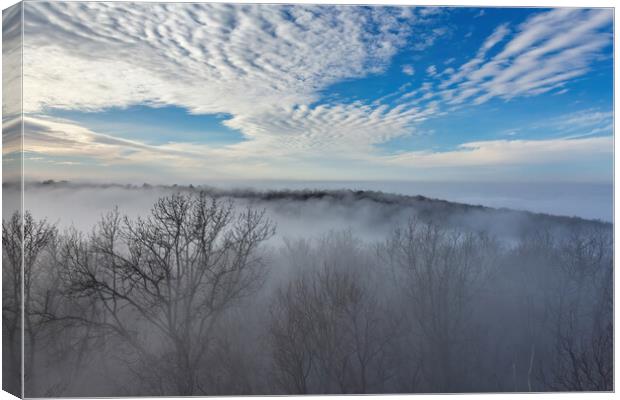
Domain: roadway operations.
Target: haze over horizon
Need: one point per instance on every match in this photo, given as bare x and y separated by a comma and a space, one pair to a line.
584, 200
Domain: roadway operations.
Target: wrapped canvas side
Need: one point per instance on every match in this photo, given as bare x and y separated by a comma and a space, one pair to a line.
12, 201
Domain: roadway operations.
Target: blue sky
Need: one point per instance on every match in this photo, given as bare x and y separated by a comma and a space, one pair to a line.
184, 93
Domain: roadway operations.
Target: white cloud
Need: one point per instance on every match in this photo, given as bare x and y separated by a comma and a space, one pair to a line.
266, 67
206, 57
497, 36
585, 118
547, 51
11, 62
286, 142
60, 137
582, 123
510, 152
408, 70
263, 65
342, 130
55, 138
428, 38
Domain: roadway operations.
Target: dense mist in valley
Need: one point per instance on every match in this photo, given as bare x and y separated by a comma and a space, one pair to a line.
297, 212
182, 290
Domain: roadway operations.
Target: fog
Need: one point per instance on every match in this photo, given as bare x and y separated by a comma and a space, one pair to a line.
580, 199
311, 212
284, 290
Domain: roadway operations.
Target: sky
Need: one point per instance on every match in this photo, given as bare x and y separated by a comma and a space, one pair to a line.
191, 93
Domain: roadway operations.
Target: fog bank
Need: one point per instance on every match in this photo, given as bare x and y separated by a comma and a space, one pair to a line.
301, 292
584, 200
297, 213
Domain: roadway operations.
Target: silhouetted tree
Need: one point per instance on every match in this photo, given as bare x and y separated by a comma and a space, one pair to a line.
582, 314
330, 331
37, 237
441, 272
163, 282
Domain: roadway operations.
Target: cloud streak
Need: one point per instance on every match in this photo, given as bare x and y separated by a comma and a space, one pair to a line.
545, 53
511, 152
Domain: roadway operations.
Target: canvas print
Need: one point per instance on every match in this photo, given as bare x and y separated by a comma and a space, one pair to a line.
208, 199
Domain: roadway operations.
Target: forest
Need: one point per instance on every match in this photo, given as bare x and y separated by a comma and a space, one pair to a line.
204, 295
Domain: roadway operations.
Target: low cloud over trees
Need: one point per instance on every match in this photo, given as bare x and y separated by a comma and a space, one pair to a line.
200, 298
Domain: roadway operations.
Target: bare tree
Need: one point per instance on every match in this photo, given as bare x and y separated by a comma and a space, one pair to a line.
582, 314
169, 304
441, 272
11, 301
521, 286
290, 339
37, 238
162, 282
330, 333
